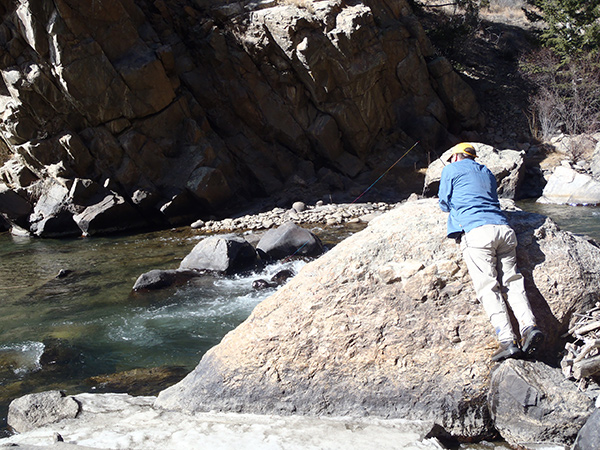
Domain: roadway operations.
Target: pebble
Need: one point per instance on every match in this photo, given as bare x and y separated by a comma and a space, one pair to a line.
326, 214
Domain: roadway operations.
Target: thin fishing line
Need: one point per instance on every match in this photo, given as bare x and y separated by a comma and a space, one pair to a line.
383, 174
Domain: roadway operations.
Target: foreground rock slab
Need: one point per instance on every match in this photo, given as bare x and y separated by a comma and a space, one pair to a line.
386, 324
126, 422
535, 403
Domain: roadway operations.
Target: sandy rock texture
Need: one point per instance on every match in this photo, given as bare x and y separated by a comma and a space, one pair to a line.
386, 324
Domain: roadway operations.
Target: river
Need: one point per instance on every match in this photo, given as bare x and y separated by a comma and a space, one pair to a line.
89, 322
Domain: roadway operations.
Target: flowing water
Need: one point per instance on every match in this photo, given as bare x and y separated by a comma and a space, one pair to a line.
89, 323
57, 332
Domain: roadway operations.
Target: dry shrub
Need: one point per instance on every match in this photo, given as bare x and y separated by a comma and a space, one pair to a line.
304, 4
567, 95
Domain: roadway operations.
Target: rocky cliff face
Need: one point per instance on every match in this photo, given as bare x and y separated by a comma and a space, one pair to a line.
123, 113
386, 324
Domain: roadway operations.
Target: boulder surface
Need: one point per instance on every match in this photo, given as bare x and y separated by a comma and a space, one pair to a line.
386, 324
507, 166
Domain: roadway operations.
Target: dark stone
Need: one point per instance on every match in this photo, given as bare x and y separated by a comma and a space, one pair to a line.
228, 254
111, 214
589, 435
261, 284
14, 207
282, 276
62, 273
533, 402
160, 279
138, 381
290, 239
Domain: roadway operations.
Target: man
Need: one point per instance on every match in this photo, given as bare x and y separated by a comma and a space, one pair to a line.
468, 191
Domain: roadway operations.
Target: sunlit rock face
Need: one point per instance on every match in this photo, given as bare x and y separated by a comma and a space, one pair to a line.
387, 324
178, 108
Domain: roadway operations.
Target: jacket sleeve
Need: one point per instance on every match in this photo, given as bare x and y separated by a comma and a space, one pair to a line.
445, 191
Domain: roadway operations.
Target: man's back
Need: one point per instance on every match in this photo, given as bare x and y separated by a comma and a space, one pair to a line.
468, 190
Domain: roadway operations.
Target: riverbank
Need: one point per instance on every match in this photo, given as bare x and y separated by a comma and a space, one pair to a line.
120, 421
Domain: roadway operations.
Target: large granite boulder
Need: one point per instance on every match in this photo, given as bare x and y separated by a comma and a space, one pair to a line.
386, 324
189, 109
567, 186
507, 166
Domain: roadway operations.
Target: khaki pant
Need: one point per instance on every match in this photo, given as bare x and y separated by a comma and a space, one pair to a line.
490, 254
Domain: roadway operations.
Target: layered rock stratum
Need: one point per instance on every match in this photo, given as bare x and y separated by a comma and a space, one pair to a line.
122, 114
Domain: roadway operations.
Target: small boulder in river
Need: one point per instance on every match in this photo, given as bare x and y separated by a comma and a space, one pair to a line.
160, 279
227, 254
386, 324
289, 239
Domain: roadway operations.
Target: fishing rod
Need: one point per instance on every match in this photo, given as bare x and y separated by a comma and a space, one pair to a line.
365, 191
383, 174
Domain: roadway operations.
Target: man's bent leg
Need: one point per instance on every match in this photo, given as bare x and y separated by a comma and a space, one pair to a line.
513, 281
480, 257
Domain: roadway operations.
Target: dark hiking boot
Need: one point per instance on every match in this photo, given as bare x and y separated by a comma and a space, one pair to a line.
508, 349
532, 340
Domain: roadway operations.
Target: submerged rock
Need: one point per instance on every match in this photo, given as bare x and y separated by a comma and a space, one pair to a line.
137, 381
386, 324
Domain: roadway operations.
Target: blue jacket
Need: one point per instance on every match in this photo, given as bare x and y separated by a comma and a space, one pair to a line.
468, 191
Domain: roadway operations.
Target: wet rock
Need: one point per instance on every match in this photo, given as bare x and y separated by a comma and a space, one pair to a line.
59, 355
160, 279
261, 284
289, 239
282, 276
62, 273
533, 402
227, 254
36, 410
361, 341
507, 166
137, 381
